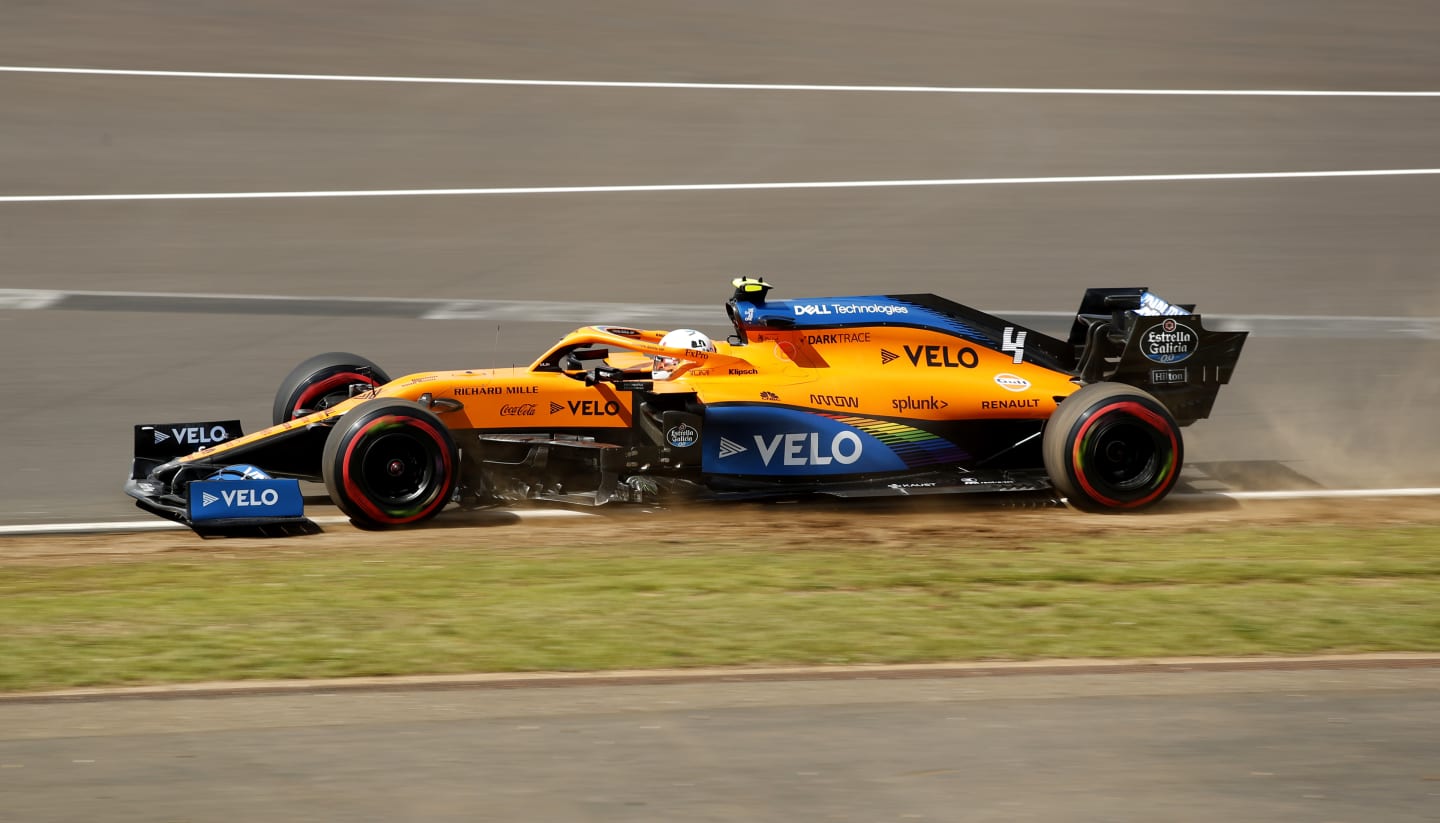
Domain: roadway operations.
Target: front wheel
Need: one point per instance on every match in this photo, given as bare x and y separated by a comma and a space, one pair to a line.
1112, 447
321, 382
389, 463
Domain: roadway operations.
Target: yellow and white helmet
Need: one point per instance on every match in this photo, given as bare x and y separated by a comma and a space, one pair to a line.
680, 339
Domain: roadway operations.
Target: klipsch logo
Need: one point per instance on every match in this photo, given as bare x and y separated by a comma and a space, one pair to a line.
1169, 342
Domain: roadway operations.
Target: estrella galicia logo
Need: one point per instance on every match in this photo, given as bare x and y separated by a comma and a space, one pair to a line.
1169, 342
682, 436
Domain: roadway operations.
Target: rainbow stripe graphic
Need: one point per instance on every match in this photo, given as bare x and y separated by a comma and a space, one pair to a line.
914, 446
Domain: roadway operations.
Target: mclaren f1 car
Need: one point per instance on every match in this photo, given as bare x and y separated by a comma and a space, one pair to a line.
862, 396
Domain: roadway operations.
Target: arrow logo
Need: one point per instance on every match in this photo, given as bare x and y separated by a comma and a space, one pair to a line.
729, 448
886, 356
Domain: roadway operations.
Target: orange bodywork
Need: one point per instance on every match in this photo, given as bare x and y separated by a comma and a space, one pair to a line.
876, 371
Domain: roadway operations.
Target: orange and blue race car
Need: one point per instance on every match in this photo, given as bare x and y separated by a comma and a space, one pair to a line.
862, 396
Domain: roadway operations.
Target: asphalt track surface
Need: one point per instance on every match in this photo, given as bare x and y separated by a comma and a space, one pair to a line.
1314, 745
1343, 412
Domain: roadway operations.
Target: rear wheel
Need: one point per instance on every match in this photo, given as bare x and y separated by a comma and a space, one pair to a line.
1113, 447
390, 463
321, 382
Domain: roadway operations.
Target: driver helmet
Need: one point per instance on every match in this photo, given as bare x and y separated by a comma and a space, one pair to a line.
680, 339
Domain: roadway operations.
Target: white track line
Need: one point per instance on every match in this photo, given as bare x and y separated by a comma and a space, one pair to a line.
529, 514
685, 187
818, 87
117, 526
1311, 494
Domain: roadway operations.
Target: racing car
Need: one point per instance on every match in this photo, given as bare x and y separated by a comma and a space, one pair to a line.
859, 396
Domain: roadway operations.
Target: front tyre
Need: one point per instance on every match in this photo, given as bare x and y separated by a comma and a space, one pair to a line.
1113, 447
389, 463
321, 382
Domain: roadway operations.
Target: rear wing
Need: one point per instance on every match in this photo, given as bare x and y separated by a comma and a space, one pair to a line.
1128, 335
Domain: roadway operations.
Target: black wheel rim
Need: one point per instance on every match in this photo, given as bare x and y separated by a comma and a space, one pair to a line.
1124, 455
397, 468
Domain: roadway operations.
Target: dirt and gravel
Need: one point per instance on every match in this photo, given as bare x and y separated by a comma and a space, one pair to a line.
930, 522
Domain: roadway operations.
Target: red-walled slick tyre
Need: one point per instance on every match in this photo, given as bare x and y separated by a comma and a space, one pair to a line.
390, 463
1112, 447
321, 382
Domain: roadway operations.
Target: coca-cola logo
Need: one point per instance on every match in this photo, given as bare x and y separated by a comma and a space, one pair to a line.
521, 410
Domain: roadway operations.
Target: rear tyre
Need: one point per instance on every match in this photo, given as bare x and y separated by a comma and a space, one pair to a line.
321, 382
390, 463
1112, 447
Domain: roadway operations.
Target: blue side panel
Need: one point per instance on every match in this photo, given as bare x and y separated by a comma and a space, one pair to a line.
243, 499
824, 312
764, 440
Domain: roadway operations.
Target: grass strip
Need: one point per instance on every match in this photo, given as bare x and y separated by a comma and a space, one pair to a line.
449, 609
